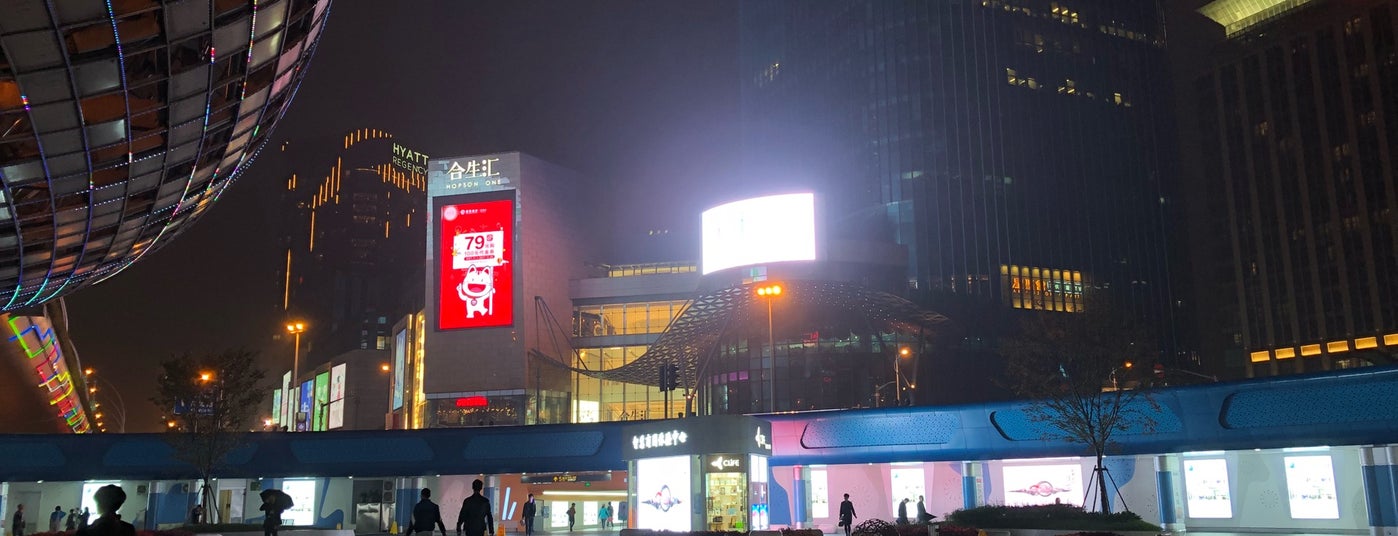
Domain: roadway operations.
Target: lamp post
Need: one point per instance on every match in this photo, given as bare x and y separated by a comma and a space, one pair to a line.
93, 379
903, 353
769, 293
1126, 365
296, 329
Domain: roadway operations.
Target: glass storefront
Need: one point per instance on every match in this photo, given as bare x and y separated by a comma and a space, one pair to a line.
625, 318
726, 500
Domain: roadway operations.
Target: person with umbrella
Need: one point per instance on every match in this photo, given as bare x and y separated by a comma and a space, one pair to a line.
274, 502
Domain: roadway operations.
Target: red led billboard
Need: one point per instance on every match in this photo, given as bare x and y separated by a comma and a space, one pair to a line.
475, 279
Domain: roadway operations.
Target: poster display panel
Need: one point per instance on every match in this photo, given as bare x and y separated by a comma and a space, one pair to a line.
906, 483
1028, 485
276, 407
288, 401
820, 494
1206, 489
322, 400
663, 494
303, 409
337, 415
400, 357
1310, 487
337, 382
475, 268
303, 498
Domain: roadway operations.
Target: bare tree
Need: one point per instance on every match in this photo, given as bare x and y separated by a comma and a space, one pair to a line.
211, 399
1074, 367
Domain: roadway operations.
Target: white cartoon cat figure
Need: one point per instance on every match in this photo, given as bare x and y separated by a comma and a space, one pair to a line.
477, 290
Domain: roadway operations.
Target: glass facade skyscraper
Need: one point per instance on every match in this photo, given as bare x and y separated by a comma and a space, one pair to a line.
1016, 148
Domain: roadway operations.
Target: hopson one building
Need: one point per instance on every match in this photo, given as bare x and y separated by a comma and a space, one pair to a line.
524, 325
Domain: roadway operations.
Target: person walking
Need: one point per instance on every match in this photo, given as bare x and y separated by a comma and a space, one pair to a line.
72, 523
903, 512
425, 515
572, 515
18, 528
272, 520
529, 510
475, 517
847, 514
83, 517
604, 514
196, 515
109, 499
922, 516
55, 518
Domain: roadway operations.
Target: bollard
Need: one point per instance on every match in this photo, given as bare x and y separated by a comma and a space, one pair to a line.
500, 530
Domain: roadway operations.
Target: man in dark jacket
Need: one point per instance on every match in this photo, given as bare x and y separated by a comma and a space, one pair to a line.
18, 529
109, 499
425, 514
529, 511
475, 518
847, 514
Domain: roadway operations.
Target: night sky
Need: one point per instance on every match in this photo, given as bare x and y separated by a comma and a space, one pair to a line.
641, 95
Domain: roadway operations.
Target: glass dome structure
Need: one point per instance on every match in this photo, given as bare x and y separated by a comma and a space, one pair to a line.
123, 121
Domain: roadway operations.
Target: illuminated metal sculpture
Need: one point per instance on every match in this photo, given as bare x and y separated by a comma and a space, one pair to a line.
123, 121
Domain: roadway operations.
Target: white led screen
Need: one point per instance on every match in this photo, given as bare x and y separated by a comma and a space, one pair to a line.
1206, 489
906, 483
1310, 487
775, 228
662, 494
820, 494
1043, 484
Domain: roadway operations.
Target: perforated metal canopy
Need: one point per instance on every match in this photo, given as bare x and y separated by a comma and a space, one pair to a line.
693, 335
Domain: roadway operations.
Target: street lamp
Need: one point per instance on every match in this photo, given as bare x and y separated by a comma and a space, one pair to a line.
769, 293
296, 329
903, 353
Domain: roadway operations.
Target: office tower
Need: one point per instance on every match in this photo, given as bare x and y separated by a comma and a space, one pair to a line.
1016, 148
1292, 127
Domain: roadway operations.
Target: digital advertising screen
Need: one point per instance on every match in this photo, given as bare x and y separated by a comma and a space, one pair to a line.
1206, 489
1310, 487
475, 275
906, 483
303, 500
775, 228
303, 408
322, 400
337, 382
400, 354
1029, 485
662, 493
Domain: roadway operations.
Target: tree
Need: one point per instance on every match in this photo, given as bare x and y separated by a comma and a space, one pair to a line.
211, 398
1073, 365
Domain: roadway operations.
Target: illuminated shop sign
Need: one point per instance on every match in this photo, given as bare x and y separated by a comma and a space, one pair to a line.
478, 173
1310, 487
474, 260
658, 439
725, 463
777, 228
1042, 289
1207, 494
662, 494
563, 478
409, 160
37, 340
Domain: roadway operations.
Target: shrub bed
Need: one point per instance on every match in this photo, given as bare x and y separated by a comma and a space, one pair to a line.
1049, 516
648, 532
803, 532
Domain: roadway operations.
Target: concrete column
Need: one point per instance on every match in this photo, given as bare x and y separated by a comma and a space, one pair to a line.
1165, 492
799, 497
970, 492
1380, 467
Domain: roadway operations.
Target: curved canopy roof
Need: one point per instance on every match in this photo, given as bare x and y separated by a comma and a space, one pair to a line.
696, 332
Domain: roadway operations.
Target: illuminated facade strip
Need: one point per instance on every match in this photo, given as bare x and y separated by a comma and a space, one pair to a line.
40, 345
1237, 16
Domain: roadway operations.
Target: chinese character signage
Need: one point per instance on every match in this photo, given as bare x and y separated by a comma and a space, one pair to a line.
472, 174
475, 242
1042, 289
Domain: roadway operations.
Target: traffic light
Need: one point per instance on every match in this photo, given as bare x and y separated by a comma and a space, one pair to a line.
669, 377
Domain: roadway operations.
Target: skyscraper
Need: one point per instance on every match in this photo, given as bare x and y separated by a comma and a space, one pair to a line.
354, 233
1293, 124
1016, 148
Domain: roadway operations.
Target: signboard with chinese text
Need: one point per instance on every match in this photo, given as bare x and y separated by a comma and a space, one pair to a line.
475, 267
1042, 289
400, 353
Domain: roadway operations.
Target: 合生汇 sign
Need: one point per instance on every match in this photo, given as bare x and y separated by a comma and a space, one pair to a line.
475, 267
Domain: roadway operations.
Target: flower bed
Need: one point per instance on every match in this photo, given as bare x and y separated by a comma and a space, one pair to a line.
1049, 517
